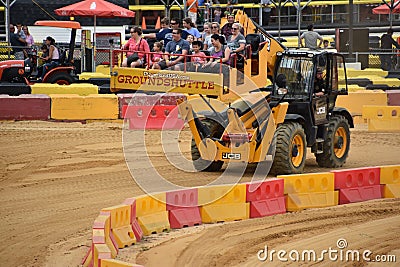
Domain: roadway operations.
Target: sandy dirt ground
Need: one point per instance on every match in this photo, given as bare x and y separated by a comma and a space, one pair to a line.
56, 177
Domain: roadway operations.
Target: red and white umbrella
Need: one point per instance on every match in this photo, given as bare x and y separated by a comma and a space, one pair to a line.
385, 8
95, 8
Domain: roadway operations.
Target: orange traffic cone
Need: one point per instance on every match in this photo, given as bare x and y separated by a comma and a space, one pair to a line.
158, 23
144, 27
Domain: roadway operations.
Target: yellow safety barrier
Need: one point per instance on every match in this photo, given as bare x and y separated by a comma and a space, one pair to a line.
75, 88
75, 107
358, 119
103, 223
121, 225
388, 81
377, 79
146, 205
391, 191
354, 101
91, 75
88, 259
365, 73
309, 182
382, 118
223, 203
313, 190
390, 174
154, 223
152, 214
117, 263
390, 179
100, 251
354, 87
300, 201
222, 194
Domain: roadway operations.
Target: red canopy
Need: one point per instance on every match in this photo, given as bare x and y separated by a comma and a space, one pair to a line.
91, 8
385, 10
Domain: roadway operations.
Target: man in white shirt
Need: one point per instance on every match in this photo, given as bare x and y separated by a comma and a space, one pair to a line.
311, 37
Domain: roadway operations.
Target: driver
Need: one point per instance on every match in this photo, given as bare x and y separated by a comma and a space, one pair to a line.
280, 82
319, 83
53, 57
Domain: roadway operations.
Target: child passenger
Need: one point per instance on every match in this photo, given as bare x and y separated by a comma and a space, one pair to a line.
157, 49
198, 58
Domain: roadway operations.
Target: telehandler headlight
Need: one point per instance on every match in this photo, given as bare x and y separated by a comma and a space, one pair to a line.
282, 91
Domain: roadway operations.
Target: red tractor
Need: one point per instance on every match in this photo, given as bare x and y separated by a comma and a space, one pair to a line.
17, 75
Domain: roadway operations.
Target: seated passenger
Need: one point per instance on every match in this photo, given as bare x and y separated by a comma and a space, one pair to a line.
237, 43
198, 58
158, 54
53, 56
189, 26
218, 52
177, 46
135, 43
44, 55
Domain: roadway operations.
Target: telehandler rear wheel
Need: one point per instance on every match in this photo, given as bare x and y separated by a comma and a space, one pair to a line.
291, 149
337, 144
206, 165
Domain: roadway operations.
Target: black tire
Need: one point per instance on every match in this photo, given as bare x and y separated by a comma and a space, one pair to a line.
291, 149
206, 165
337, 144
61, 78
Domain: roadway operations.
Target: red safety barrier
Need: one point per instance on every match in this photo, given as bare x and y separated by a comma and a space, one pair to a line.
184, 217
123, 100
267, 207
182, 206
179, 199
357, 185
270, 188
88, 259
25, 107
134, 223
152, 117
393, 97
266, 198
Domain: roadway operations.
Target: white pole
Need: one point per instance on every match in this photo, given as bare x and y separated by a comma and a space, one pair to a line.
94, 46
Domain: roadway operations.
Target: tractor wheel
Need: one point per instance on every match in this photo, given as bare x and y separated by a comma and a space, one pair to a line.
337, 144
206, 165
61, 78
291, 149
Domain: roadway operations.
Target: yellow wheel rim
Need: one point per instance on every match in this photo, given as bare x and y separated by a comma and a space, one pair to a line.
340, 144
297, 144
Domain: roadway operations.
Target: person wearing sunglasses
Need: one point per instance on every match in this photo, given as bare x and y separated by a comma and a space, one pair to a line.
175, 52
138, 49
215, 29
237, 43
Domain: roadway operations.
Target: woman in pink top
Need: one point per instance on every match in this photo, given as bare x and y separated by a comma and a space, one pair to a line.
29, 38
136, 45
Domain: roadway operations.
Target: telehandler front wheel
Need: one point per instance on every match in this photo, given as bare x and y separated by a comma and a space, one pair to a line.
291, 149
337, 144
206, 165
